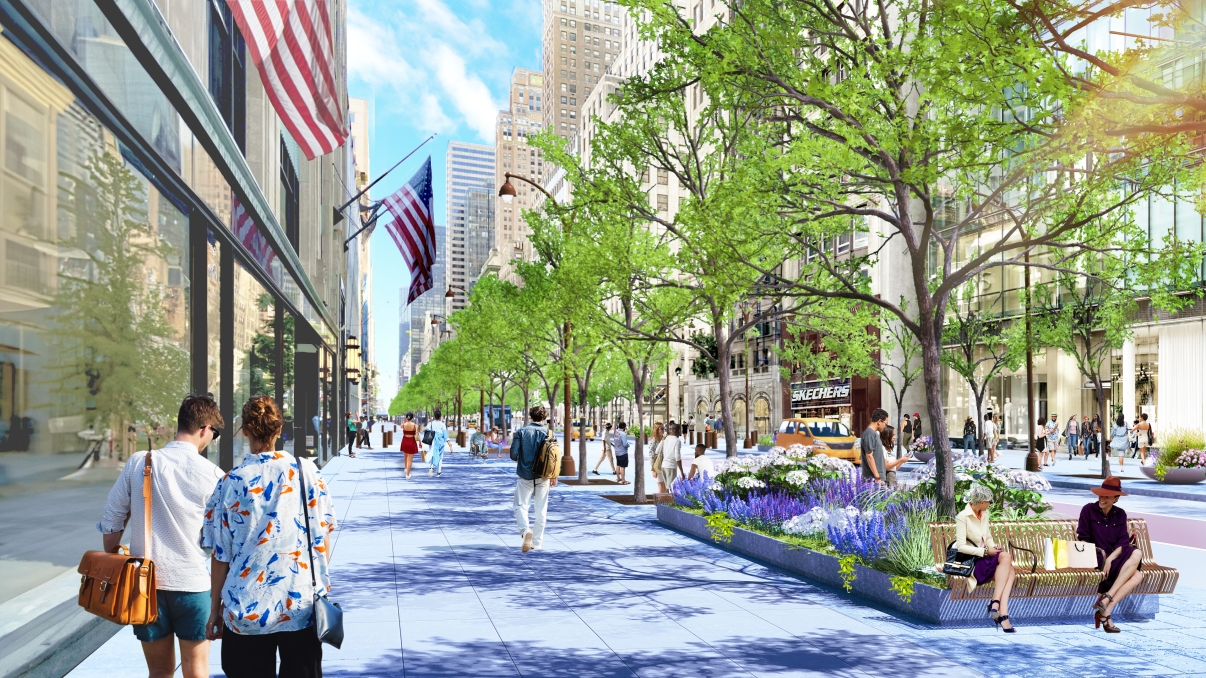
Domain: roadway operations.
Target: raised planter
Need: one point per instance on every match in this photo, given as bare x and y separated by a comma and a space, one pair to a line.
1176, 476
929, 603
923, 457
765, 448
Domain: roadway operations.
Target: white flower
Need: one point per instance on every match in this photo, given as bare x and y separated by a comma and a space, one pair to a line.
808, 523
750, 483
716, 487
797, 478
783, 461
799, 451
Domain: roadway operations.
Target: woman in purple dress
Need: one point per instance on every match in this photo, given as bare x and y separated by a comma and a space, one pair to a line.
973, 537
1104, 525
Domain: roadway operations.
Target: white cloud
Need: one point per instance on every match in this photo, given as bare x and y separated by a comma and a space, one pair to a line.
469, 94
433, 64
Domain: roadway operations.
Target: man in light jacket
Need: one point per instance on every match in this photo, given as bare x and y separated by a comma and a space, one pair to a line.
525, 445
182, 480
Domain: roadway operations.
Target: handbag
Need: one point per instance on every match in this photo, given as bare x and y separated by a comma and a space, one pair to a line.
957, 563
328, 618
428, 436
120, 587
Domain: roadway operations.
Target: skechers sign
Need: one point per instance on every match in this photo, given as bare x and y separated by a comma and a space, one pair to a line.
820, 393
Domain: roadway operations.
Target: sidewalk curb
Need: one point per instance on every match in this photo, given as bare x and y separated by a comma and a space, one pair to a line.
1131, 488
54, 643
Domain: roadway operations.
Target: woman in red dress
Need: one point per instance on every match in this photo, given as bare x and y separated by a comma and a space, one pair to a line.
410, 441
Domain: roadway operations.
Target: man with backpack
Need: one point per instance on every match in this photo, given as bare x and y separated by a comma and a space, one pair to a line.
537, 465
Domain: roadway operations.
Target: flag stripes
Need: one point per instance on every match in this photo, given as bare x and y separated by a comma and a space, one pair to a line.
412, 228
290, 44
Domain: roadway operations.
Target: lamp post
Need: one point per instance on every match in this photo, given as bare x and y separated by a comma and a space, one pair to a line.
507, 193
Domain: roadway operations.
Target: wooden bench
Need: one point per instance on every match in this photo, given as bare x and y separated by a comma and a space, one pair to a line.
1043, 583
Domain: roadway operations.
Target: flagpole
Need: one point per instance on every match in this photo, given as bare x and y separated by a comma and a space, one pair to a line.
367, 224
339, 210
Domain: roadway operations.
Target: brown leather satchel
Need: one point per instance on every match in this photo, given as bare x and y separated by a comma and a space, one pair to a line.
118, 586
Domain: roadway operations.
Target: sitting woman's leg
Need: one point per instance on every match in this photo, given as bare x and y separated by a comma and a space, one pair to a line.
1003, 584
1128, 578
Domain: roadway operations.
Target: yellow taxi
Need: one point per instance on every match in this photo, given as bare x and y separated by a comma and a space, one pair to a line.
590, 430
826, 436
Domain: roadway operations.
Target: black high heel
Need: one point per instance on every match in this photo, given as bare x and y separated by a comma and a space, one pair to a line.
993, 614
1002, 619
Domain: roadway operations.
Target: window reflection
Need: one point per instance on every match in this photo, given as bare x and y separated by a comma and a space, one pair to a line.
94, 316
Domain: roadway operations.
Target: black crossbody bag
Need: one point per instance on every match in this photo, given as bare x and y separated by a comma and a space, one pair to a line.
328, 618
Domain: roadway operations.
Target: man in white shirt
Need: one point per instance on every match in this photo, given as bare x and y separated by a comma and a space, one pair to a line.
701, 464
182, 481
990, 437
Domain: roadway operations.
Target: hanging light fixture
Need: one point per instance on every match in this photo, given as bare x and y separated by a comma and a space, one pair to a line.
351, 362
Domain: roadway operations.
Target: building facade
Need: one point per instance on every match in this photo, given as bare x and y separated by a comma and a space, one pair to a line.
581, 40
521, 120
467, 167
162, 235
431, 306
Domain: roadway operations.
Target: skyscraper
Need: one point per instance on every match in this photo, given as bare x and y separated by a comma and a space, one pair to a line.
467, 166
404, 312
581, 40
521, 120
431, 304
479, 231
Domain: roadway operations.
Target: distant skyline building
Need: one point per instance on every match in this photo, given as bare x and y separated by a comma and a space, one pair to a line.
424, 336
467, 166
479, 231
404, 368
521, 120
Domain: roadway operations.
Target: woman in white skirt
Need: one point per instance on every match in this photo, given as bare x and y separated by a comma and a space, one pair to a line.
672, 457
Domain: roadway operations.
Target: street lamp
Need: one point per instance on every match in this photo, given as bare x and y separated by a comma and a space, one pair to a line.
507, 193
351, 359
449, 294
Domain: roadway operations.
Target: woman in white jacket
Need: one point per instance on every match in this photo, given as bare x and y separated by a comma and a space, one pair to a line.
973, 537
672, 457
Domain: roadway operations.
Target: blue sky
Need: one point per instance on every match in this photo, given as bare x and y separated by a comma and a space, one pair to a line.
428, 66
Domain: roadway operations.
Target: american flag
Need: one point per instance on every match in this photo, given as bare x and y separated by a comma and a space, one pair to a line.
249, 234
412, 227
290, 43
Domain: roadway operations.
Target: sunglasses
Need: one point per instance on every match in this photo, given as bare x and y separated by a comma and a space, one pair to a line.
217, 431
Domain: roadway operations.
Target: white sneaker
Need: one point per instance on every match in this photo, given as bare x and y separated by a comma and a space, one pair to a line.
527, 541
430, 471
537, 547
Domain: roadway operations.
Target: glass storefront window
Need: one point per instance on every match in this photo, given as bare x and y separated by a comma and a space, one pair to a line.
94, 318
254, 348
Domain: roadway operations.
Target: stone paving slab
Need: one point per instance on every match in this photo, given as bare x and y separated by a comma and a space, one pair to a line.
430, 574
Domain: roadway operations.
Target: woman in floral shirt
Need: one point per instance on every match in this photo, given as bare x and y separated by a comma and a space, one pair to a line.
261, 597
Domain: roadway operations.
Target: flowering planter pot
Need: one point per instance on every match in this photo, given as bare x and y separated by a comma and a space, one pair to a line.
929, 603
923, 457
1176, 476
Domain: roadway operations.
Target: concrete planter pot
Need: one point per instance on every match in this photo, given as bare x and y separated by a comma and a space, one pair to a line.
929, 603
765, 448
923, 457
1176, 476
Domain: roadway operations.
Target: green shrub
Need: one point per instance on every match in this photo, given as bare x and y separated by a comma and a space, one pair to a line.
1173, 443
766, 440
912, 553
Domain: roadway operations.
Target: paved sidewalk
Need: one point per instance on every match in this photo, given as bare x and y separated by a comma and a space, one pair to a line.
430, 574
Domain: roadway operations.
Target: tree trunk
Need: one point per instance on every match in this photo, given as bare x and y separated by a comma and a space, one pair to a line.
502, 408
931, 368
979, 419
1101, 412
582, 388
725, 381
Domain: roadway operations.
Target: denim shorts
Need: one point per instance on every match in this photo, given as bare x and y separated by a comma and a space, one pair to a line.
181, 613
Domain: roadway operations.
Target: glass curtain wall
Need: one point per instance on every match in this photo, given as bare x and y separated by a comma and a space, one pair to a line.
94, 318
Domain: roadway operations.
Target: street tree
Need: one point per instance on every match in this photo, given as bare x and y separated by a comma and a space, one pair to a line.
932, 125
1089, 313
980, 343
